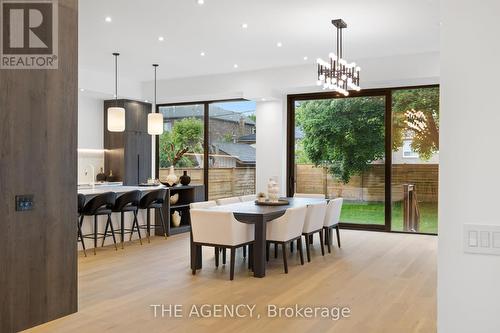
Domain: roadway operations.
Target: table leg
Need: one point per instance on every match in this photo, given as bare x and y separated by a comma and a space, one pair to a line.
196, 258
259, 251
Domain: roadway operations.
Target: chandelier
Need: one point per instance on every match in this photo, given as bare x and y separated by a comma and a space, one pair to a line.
337, 74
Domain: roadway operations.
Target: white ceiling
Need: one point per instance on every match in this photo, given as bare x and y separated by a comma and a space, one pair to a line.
376, 28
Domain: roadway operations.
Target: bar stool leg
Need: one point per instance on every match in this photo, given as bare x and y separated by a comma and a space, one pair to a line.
136, 223
80, 235
148, 225
112, 231
216, 257
122, 228
105, 233
95, 233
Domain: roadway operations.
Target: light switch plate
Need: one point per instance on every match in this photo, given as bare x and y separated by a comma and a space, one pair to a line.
482, 239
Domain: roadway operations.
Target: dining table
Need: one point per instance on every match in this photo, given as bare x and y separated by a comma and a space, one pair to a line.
258, 215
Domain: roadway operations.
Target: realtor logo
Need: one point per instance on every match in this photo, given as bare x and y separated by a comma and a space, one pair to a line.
29, 34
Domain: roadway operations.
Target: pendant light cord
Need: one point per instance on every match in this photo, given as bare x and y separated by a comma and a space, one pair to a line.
154, 100
116, 77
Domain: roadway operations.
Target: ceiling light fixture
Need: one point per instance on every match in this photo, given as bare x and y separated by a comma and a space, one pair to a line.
200, 2
337, 74
235, 66
108, 19
155, 120
279, 44
305, 58
161, 38
202, 54
244, 26
116, 114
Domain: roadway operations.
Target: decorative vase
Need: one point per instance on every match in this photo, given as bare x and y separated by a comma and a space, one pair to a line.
174, 198
273, 190
185, 179
176, 219
171, 179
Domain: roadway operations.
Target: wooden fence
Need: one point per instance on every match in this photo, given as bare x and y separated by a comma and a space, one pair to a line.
228, 182
370, 185
223, 182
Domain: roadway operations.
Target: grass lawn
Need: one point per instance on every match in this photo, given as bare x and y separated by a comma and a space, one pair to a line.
373, 213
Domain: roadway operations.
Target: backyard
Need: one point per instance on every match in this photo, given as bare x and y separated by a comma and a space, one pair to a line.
373, 213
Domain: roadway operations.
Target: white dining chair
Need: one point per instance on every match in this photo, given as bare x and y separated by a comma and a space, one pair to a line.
332, 219
228, 201
220, 229
202, 204
285, 230
246, 198
309, 195
217, 251
314, 222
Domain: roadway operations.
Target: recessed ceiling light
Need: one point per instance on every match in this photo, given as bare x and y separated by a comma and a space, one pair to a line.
244, 25
279, 44
235, 66
202, 54
161, 38
263, 99
146, 101
200, 2
82, 90
108, 19
305, 58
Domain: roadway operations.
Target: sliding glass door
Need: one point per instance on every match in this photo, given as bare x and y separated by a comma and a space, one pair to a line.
340, 152
376, 149
415, 159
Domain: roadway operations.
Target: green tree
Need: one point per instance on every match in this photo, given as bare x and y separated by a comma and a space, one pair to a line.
343, 135
186, 136
416, 115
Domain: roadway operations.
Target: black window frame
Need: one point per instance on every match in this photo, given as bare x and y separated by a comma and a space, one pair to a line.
377, 92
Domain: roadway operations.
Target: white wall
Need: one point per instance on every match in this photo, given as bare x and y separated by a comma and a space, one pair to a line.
271, 130
90, 134
275, 82
468, 285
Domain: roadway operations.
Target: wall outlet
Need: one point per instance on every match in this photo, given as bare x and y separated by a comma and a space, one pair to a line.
482, 239
24, 202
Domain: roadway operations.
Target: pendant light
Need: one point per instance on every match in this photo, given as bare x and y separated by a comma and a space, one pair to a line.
116, 115
155, 120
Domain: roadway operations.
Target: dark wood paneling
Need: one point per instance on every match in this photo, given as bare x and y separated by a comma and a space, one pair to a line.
38, 131
129, 153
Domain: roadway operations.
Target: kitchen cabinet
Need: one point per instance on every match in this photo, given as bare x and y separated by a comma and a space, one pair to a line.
129, 154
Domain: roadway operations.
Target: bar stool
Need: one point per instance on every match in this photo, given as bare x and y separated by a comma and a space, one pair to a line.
100, 205
81, 204
153, 200
127, 202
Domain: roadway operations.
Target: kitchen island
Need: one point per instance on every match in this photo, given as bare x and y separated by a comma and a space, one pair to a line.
91, 191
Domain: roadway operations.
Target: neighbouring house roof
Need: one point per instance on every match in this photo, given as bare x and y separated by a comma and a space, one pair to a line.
247, 138
243, 152
172, 112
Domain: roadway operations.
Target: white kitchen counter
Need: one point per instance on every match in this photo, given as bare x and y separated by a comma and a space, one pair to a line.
99, 189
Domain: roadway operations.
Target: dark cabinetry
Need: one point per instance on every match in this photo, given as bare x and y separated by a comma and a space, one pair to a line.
129, 154
186, 195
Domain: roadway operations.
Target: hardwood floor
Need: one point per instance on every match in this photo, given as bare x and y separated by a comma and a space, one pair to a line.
387, 280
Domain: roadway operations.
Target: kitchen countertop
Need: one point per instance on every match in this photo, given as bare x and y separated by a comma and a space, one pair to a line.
99, 189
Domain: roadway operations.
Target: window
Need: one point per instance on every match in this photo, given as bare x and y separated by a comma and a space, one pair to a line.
378, 149
408, 151
219, 153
